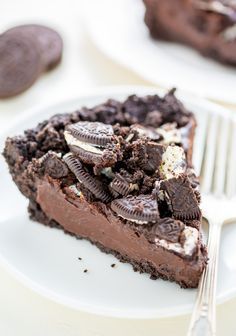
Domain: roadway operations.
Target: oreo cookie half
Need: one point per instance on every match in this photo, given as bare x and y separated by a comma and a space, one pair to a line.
95, 134
181, 198
142, 209
92, 142
88, 181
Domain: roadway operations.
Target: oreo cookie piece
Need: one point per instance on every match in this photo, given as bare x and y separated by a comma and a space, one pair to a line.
173, 162
20, 64
92, 142
153, 157
168, 229
120, 186
142, 209
53, 165
181, 198
88, 181
48, 41
147, 132
148, 155
194, 181
169, 133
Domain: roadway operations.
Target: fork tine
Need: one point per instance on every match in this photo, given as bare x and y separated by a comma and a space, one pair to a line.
199, 143
222, 153
207, 171
231, 175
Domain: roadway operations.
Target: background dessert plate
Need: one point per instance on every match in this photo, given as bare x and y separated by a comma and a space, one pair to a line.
117, 28
47, 260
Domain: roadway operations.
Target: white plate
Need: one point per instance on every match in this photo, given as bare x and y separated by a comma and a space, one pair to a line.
118, 30
46, 260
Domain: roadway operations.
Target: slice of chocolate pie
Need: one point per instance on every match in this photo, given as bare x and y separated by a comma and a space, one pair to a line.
209, 26
119, 175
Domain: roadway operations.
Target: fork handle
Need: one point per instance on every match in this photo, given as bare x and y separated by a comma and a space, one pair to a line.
203, 316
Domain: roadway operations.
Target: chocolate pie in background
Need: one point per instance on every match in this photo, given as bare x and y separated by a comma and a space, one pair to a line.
209, 26
119, 175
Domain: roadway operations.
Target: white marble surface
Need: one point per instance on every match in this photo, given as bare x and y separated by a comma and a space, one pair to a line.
22, 312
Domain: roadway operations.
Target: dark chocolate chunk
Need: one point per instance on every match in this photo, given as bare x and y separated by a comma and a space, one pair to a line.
54, 166
181, 198
94, 133
153, 156
148, 155
140, 209
20, 64
48, 41
168, 229
91, 183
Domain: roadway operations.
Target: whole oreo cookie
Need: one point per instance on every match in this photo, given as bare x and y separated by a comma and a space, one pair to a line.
49, 42
20, 64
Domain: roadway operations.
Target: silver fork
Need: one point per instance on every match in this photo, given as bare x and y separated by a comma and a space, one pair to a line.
215, 160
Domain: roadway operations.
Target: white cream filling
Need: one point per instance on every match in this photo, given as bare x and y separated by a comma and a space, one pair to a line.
108, 172
173, 162
133, 186
72, 141
133, 220
191, 238
129, 137
170, 134
74, 188
230, 33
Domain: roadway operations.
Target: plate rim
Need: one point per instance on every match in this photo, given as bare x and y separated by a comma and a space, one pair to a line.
104, 93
